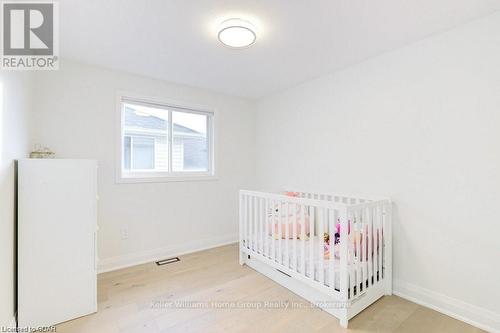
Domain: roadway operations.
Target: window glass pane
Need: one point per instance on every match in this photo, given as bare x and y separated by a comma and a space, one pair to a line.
190, 143
143, 153
126, 152
147, 145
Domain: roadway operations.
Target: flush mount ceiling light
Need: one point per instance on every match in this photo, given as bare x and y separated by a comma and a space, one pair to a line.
237, 33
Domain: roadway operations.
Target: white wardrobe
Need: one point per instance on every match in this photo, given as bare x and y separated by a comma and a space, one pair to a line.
57, 246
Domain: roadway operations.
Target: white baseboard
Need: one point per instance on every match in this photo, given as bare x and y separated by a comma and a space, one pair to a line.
128, 260
471, 314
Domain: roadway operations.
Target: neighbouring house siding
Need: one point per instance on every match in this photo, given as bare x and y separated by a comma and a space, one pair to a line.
196, 156
161, 153
178, 154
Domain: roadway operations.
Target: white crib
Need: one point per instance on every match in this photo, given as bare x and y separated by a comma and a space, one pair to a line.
333, 250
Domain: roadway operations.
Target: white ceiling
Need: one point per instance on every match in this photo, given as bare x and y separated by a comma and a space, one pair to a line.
174, 40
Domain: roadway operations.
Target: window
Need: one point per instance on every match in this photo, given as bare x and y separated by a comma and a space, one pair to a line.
161, 141
143, 156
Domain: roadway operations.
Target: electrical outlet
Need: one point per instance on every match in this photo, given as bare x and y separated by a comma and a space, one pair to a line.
124, 233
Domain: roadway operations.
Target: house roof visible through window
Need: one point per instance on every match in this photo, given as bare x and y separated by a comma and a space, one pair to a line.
132, 119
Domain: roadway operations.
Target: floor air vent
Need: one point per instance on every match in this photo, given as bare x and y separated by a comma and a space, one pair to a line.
167, 261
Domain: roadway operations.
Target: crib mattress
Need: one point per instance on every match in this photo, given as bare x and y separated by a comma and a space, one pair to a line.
313, 263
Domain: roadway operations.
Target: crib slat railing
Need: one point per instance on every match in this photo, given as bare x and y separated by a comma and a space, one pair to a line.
303, 240
362, 253
343, 249
241, 225
321, 245
293, 265
351, 254
376, 223
311, 242
288, 233
332, 217
366, 244
265, 233
375, 245
251, 222
352, 235
366, 248
270, 231
379, 242
280, 232
357, 240
261, 231
272, 209
309, 200
370, 246
255, 224
247, 219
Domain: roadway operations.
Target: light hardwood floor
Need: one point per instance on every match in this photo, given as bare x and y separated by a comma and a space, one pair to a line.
139, 299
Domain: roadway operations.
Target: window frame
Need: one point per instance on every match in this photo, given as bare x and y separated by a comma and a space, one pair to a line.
148, 176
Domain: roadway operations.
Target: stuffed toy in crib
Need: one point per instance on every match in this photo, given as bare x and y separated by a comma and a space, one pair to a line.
275, 214
356, 239
326, 240
288, 221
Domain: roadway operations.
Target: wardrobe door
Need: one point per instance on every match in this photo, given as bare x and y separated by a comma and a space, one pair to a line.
57, 224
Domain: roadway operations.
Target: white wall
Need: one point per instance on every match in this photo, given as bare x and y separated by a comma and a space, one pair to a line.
15, 89
421, 125
74, 114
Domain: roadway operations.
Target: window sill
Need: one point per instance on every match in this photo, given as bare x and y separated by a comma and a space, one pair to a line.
164, 179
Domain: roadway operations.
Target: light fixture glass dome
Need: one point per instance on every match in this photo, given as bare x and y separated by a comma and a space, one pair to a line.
237, 33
